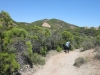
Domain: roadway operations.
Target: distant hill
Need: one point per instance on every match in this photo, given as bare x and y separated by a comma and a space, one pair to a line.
54, 24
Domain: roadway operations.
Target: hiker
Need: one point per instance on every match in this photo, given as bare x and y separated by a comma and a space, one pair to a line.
67, 46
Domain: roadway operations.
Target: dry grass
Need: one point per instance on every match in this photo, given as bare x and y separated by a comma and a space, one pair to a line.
51, 53
97, 55
80, 61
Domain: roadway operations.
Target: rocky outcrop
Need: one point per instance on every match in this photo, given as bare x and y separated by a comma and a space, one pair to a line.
46, 25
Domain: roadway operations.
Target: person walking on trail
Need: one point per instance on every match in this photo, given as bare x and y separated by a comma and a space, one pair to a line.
67, 46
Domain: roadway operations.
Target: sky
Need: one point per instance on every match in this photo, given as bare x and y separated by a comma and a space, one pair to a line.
78, 12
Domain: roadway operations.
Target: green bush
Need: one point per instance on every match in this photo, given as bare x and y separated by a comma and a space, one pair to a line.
67, 36
59, 48
15, 32
80, 61
8, 64
77, 41
72, 48
88, 43
29, 47
9, 36
45, 48
97, 40
37, 59
0, 25
97, 50
43, 51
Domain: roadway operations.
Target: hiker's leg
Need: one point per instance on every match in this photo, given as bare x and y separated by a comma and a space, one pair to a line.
65, 51
68, 50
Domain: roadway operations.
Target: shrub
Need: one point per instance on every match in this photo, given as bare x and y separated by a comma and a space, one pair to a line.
59, 48
9, 36
0, 25
67, 36
29, 47
15, 32
72, 48
97, 50
97, 56
80, 61
97, 40
37, 59
43, 51
88, 43
77, 41
8, 64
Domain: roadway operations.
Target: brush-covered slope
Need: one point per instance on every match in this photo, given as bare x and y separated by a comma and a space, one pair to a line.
54, 24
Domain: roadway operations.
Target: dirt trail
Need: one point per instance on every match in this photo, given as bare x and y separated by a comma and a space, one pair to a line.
60, 64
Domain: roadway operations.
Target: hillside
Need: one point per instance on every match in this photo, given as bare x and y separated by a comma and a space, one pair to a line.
55, 23
59, 26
